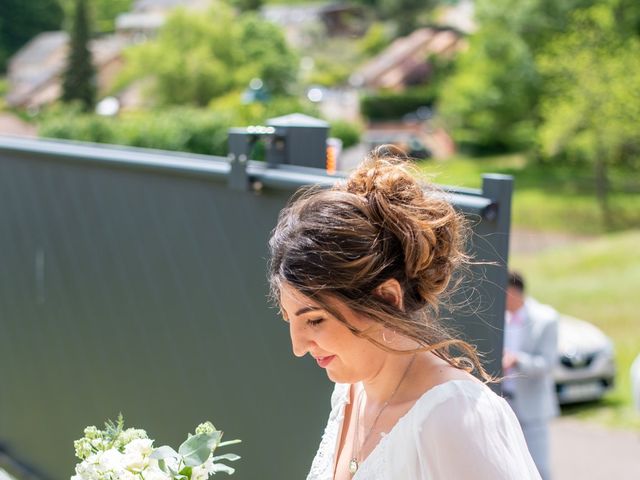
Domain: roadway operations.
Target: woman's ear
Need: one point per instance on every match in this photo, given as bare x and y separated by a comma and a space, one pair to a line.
391, 292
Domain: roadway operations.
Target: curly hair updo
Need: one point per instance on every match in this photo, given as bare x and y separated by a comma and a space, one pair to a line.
342, 243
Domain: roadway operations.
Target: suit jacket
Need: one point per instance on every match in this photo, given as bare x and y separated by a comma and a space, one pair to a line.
534, 389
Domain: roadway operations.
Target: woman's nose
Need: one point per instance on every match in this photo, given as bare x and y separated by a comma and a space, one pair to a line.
299, 340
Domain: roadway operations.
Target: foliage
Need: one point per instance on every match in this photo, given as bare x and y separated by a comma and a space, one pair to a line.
334, 60
232, 107
550, 196
348, 132
393, 105
201, 56
265, 55
375, 40
103, 12
491, 103
178, 129
407, 15
21, 20
79, 83
590, 109
247, 5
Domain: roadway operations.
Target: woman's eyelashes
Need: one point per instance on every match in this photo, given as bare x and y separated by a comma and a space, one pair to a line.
314, 322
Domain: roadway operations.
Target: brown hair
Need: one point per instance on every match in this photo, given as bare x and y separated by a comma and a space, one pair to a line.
342, 243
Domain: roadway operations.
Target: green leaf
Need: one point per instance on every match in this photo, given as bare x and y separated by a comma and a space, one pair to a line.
186, 471
176, 475
197, 448
164, 452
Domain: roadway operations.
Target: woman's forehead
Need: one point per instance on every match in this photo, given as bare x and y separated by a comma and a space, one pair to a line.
292, 301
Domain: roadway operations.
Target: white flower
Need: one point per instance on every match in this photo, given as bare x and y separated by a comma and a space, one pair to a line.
155, 474
110, 460
136, 454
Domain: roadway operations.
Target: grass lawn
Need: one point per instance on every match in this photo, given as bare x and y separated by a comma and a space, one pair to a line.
549, 197
596, 277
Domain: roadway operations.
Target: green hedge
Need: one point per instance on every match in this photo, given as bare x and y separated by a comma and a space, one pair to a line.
348, 132
181, 129
394, 105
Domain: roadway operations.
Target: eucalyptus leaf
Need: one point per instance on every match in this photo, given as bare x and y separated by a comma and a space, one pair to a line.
229, 442
224, 468
164, 452
176, 475
197, 448
232, 457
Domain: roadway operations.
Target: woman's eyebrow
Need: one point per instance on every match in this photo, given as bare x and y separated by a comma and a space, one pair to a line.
308, 309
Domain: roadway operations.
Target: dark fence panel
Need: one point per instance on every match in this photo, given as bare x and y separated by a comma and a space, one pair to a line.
134, 281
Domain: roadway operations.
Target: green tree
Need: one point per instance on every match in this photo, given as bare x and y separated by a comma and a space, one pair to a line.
79, 82
407, 15
489, 101
103, 12
265, 55
200, 57
21, 20
247, 5
492, 99
590, 109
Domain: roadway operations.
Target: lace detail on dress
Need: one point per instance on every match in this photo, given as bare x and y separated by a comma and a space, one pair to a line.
375, 465
322, 466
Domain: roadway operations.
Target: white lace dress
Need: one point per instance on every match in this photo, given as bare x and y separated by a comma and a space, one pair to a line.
457, 430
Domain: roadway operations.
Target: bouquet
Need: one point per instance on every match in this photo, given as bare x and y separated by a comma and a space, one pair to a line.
117, 453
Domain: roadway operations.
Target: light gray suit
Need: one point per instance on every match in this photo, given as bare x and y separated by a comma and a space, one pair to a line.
533, 390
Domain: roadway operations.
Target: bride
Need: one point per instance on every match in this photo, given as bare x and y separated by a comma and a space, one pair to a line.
359, 272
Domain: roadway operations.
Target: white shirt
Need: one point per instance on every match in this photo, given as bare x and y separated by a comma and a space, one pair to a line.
635, 382
457, 430
513, 330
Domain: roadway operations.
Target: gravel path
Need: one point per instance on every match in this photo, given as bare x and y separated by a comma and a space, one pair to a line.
587, 451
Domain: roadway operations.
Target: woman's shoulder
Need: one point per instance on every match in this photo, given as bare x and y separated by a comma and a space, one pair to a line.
456, 391
462, 405
467, 431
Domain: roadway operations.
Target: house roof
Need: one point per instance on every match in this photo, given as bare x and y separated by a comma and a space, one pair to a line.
149, 15
398, 61
296, 120
149, 5
34, 71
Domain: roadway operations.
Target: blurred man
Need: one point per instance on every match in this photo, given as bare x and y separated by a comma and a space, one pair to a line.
635, 382
530, 354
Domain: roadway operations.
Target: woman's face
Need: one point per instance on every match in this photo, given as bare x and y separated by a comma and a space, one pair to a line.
313, 330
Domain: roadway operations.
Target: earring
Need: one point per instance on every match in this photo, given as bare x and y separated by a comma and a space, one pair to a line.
384, 336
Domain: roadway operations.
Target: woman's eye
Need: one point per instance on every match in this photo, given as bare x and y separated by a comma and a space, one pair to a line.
315, 322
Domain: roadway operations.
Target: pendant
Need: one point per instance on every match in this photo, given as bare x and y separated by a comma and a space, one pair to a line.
353, 466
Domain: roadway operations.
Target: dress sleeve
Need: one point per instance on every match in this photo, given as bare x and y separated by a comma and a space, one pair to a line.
473, 436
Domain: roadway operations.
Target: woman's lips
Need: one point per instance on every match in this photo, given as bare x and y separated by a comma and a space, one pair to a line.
324, 361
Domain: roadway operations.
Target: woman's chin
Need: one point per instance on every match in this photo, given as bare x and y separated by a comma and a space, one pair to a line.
340, 377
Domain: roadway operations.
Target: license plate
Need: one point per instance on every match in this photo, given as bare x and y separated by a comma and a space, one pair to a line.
580, 391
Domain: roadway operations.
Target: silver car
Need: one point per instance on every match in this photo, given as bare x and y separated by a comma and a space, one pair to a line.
586, 365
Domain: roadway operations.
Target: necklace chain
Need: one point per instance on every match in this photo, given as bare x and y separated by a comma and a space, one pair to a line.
354, 464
